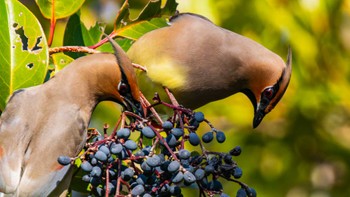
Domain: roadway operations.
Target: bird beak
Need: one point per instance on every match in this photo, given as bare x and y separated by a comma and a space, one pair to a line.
258, 116
133, 106
259, 109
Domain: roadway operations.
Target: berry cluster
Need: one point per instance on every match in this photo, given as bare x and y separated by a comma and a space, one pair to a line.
157, 163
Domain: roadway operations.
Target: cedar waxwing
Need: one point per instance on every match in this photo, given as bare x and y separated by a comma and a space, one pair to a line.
41, 123
201, 62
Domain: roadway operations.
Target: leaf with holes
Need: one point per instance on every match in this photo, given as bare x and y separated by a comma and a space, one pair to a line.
24, 54
60, 60
152, 10
62, 8
150, 18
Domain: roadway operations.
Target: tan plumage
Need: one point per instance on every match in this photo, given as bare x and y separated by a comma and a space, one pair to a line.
201, 62
41, 123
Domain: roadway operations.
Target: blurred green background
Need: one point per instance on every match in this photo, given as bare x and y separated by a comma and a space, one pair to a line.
302, 148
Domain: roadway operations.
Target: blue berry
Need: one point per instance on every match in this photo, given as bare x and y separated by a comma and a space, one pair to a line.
167, 125
111, 188
123, 154
199, 174
115, 148
123, 133
224, 195
220, 136
127, 174
130, 144
101, 156
215, 185
140, 153
141, 179
64, 160
86, 178
171, 140
228, 159
241, 193
194, 124
112, 173
86, 166
199, 116
237, 173
184, 154
96, 171
146, 168
98, 138
138, 190
104, 149
153, 161
189, 177
147, 150
94, 161
251, 192
208, 137
194, 139
236, 151
174, 190
99, 191
189, 168
178, 177
173, 166
148, 132
209, 169
177, 132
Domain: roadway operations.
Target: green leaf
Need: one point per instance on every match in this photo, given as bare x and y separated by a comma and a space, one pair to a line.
136, 30
123, 15
73, 35
169, 8
24, 54
150, 18
125, 44
62, 8
60, 60
77, 34
151, 10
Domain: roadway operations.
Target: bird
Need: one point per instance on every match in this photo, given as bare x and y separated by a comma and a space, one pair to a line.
200, 62
43, 122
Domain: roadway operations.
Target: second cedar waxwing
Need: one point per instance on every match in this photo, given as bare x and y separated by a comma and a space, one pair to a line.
41, 123
201, 62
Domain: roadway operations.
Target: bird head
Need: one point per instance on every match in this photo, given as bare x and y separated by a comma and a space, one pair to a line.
128, 93
267, 86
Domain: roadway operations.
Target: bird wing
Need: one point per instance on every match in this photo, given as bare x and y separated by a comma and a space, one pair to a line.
34, 132
14, 137
64, 134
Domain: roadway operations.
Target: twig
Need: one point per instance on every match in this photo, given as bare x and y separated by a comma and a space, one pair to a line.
171, 97
138, 66
76, 49
147, 104
107, 181
236, 181
119, 177
164, 142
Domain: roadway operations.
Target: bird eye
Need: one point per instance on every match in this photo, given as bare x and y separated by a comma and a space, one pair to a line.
123, 88
268, 93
